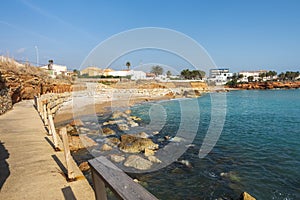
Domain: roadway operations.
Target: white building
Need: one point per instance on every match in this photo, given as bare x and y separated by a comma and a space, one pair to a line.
137, 75
219, 76
121, 73
254, 74
55, 69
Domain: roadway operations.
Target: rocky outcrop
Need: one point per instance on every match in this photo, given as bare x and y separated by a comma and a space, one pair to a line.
133, 144
138, 162
269, 85
24, 82
5, 101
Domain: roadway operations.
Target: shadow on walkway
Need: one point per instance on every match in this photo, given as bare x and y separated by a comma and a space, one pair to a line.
4, 167
68, 193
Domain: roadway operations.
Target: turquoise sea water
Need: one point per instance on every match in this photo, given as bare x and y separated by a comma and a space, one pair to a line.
258, 150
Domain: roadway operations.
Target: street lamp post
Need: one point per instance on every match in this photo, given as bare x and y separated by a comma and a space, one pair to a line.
37, 55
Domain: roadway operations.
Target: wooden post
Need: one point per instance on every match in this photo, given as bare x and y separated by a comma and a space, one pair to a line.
53, 131
71, 174
36, 102
40, 105
45, 114
99, 186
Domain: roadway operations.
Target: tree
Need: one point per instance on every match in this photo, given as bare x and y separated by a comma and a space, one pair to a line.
240, 76
157, 70
262, 75
50, 64
250, 78
195, 74
169, 73
128, 65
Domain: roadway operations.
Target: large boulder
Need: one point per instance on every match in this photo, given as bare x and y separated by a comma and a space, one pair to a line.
108, 131
133, 144
123, 127
117, 158
112, 141
138, 162
106, 147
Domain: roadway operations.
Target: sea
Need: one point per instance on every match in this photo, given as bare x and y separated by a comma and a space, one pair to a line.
255, 147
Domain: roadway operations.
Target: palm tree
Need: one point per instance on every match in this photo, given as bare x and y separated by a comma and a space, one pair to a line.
169, 74
128, 65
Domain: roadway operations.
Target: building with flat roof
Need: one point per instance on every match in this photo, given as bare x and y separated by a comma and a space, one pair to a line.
217, 72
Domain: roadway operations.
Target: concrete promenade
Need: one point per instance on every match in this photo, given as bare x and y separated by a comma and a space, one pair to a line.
29, 166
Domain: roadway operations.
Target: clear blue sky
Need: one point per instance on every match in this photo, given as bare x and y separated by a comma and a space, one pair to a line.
241, 35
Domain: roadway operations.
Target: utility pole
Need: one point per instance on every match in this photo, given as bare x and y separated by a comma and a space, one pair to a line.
37, 55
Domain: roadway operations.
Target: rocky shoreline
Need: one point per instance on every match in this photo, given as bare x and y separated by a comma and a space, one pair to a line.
268, 85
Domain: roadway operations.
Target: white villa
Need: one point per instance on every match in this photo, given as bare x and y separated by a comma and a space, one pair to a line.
220, 76
247, 74
55, 69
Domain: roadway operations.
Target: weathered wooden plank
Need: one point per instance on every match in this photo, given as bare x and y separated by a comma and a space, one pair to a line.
71, 174
45, 114
99, 186
53, 131
119, 182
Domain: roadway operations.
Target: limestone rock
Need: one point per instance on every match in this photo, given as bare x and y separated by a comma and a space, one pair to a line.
76, 122
123, 127
112, 141
142, 135
133, 144
246, 196
106, 147
137, 162
127, 112
154, 159
108, 131
132, 123
135, 118
118, 114
155, 132
149, 152
117, 158
112, 122
84, 166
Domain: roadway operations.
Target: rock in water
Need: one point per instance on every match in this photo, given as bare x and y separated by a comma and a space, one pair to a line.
123, 127
108, 131
132, 123
137, 162
127, 112
186, 163
149, 152
106, 147
112, 141
142, 135
76, 122
154, 159
118, 114
133, 144
117, 158
246, 196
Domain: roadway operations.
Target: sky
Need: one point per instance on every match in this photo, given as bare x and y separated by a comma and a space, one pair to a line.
240, 35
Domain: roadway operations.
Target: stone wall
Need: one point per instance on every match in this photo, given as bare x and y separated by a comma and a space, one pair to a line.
5, 101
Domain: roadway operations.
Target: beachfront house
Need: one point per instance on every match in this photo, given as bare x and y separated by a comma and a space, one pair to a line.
219, 76
254, 74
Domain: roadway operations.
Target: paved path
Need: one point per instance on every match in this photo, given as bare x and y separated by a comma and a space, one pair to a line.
29, 167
